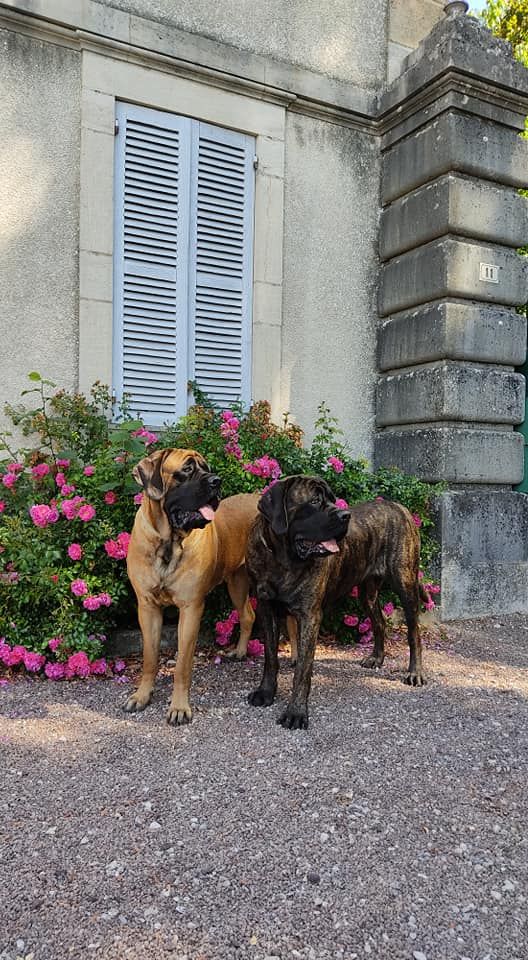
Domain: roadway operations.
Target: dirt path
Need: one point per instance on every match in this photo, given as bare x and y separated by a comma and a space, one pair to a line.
395, 827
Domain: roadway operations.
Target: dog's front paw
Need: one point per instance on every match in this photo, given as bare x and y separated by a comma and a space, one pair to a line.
138, 701
177, 715
372, 662
294, 718
415, 679
261, 697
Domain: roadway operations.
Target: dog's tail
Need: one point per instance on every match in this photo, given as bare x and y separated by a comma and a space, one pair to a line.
424, 595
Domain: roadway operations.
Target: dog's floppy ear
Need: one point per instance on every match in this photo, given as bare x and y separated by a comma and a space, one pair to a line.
148, 474
327, 490
273, 507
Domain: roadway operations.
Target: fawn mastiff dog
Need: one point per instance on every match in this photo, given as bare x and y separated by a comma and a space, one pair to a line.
184, 542
304, 554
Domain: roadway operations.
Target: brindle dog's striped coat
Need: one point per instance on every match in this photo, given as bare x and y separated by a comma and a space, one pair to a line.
379, 545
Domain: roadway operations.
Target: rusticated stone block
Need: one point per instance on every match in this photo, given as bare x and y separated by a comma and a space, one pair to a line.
454, 454
448, 390
454, 204
453, 329
452, 268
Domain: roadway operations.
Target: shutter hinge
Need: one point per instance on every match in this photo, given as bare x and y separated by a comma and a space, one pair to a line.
116, 127
255, 162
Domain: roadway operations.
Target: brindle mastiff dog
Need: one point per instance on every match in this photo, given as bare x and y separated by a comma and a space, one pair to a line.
304, 554
184, 542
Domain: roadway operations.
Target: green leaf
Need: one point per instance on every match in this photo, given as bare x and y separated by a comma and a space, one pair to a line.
34, 376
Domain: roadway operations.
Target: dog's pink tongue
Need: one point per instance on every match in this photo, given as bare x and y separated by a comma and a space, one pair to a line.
330, 545
207, 512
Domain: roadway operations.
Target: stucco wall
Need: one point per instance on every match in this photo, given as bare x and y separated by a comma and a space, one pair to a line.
329, 309
340, 38
39, 212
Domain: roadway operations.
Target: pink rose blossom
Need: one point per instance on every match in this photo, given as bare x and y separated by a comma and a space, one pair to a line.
138, 498
430, 604
67, 489
253, 602
366, 637
118, 548
60, 479
417, 519
336, 464
91, 603
34, 661
79, 588
388, 609
64, 464
264, 467
75, 551
255, 648
89, 471
2, 506
365, 626
119, 666
17, 654
15, 467
70, 508
86, 513
110, 497
98, 666
350, 620
9, 480
354, 592
54, 643
227, 414
55, 671
41, 514
420, 574
5, 650
78, 665
341, 504
145, 435
41, 470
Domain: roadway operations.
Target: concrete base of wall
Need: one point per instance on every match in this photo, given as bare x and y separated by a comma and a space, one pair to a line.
483, 553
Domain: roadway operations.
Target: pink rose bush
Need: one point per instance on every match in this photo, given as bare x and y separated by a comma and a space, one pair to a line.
68, 503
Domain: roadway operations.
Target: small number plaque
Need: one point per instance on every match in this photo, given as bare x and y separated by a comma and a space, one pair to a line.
489, 272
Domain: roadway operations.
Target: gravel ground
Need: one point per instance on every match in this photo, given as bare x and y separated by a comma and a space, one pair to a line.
395, 827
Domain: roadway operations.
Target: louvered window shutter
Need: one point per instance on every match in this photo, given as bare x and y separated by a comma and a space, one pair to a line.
151, 258
183, 260
221, 253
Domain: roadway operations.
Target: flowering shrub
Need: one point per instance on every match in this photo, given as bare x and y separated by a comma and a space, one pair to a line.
68, 504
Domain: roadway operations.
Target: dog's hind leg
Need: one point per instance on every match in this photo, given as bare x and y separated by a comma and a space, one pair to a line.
238, 586
292, 629
150, 620
264, 695
409, 593
370, 599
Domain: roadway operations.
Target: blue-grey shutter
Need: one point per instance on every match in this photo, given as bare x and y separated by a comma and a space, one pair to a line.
221, 262
151, 259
